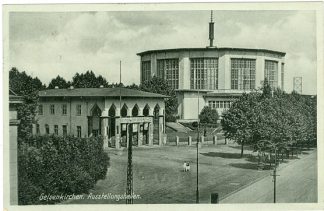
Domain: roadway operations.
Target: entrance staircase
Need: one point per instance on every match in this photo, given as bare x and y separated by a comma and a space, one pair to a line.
177, 127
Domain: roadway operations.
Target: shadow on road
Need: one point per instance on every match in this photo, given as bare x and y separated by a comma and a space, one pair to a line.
223, 155
252, 166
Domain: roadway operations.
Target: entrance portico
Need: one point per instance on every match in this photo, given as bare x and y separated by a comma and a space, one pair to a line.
145, 115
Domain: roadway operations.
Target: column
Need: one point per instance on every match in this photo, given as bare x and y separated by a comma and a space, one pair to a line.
140, 135
13, 164
117, 135
161, 132
104, 132
151, 133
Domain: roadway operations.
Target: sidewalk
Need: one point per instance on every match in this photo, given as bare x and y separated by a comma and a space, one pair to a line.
297, 183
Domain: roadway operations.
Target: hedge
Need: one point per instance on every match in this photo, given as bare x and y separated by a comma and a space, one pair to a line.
59, 165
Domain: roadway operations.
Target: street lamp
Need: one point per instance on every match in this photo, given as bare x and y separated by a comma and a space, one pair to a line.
273, 146
197, 190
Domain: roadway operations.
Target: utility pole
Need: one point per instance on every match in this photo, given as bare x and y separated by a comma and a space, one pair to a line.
129, 189
197, 191
275, 175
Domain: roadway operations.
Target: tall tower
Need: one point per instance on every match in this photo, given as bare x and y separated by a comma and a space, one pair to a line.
211, 31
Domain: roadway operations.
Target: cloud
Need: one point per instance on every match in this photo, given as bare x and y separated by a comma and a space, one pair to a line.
48, 44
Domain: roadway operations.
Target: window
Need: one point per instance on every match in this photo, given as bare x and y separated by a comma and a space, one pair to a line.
78, 108
64, 109
79, 131
56, 129
47, 129
52, 109
204, 73
271, 72
40, 109
64, 128
282, 75
146, 70
168, 69
37, 129
243, 74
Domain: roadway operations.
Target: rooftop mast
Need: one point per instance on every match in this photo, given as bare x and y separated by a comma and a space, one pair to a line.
211, 31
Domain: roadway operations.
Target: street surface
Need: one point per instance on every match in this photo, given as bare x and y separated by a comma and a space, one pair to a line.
297, 183
159, 177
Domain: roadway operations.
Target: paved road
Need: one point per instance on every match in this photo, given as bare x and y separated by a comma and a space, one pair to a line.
297, 183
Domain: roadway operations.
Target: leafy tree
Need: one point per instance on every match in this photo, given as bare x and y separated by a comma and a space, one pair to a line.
241, 119
60, 82
23, 84
208, 115
160, 86
59, 165
27, 87
133, 86
88, 80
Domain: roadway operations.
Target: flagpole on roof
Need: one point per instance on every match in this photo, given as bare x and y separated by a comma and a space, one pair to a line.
119, 86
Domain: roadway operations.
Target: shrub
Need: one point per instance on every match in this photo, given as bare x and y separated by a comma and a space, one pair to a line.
59, 165
208, 115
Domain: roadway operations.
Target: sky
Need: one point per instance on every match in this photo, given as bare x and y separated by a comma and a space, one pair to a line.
62, 43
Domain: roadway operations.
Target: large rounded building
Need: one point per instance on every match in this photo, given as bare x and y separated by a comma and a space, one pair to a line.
212, 76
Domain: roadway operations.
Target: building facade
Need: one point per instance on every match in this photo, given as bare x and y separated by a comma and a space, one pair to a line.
212, 76
110, 112
220, 75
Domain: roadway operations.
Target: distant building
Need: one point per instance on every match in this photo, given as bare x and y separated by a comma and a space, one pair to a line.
220, 75
14, 102
109, 112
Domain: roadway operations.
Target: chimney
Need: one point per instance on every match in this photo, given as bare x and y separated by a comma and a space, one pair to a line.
56, 87
211, 31
71, 87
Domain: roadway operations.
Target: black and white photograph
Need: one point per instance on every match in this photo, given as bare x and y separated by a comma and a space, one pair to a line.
162, 104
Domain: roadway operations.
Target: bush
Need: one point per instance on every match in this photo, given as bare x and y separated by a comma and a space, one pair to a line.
59, 165
208, 115
171, 118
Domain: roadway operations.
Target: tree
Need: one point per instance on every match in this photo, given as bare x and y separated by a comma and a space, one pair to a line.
160, 86
59, 82
88, 80
133, 86
23, 84
208, 115
239, 122
27, 87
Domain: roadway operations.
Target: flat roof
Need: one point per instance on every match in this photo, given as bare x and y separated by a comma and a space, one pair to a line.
211, 49
98, 92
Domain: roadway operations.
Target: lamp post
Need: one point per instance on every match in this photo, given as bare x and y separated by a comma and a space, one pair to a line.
197, 190
274, 174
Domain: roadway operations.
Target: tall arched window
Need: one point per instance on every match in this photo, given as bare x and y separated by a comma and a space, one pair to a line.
123, 111
112, 111
146, 110
135, 110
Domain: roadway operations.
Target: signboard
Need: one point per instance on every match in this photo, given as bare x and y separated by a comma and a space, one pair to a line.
135, 119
